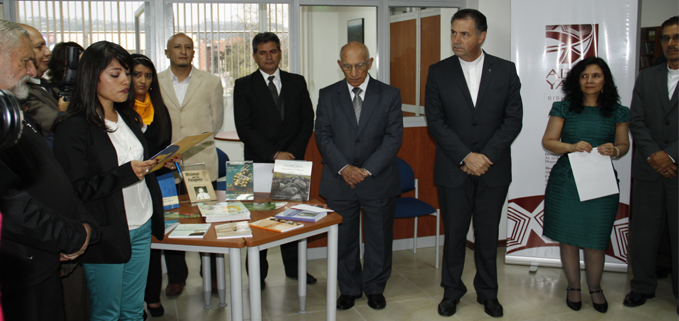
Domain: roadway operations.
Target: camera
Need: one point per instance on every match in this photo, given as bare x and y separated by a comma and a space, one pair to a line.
72, 59
11, 119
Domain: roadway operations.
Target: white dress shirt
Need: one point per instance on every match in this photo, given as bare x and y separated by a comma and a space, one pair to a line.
137, 198
472, 74
181, 87
672, 79
276, 80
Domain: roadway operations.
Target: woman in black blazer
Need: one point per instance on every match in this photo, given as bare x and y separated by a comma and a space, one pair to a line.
100, 145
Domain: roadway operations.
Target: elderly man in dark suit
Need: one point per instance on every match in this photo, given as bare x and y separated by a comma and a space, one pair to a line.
42, 219
474, 112
654, 167
274, 119
359, 128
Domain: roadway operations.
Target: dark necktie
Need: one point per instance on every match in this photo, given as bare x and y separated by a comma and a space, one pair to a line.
358, 103
273, 90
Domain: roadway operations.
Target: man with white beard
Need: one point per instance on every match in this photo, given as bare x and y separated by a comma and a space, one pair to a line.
42, 220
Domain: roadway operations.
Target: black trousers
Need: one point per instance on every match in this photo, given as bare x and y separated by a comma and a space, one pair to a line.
378, 227
37, 303
473, 201
654, 207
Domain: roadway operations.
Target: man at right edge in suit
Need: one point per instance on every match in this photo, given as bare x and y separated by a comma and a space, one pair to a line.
359, 129
654, 168
474, 111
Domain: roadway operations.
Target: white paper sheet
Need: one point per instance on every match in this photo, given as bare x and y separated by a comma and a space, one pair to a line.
263, 176
594, 176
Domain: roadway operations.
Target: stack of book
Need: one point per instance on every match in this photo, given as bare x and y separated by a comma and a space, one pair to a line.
224, 211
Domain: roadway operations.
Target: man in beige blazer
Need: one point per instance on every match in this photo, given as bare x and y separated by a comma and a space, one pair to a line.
195, 101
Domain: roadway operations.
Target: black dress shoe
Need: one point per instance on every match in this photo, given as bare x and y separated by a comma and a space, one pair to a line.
492, 307
575, 306
448, 307
603, 307
310, 279
635, 299
376, 301
345, 302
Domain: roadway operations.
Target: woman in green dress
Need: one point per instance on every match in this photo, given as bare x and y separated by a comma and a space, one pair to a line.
590, 115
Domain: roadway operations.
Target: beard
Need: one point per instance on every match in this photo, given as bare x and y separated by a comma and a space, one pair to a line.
20, 90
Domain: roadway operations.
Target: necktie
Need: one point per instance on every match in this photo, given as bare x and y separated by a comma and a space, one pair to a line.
273, 90
358, 103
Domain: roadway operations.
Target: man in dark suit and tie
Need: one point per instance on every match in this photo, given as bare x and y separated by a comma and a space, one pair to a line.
474, 112
359, 128
274, 119
654, 168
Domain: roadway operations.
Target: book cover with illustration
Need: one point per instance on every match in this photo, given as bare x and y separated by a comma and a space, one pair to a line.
291, 180
199, 186
224, 211
233, 230
191, 231
239, 181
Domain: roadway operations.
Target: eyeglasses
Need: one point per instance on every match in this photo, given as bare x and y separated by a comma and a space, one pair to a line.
666, 39
358, 66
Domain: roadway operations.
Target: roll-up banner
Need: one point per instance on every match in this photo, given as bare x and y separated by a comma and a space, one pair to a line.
548, 38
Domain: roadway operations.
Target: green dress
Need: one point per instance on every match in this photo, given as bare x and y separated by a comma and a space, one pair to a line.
567, 220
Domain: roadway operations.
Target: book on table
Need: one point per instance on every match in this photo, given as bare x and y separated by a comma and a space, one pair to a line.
291, 180
233, 230
198, 185
191, 231
169, 191
224, 211
239, 181
179, 215
170, 225
276, 224
301, 215
266, 206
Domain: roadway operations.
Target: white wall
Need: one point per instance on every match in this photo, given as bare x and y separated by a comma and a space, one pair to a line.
322, 25
654, 12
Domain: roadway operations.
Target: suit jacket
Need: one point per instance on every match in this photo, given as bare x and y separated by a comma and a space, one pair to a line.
42, 106
90, 161
371, 144
41, 216
458, 127
654, 121
259, 122
202, 110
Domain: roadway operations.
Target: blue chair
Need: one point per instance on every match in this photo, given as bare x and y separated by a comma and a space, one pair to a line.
407, 207
222, 158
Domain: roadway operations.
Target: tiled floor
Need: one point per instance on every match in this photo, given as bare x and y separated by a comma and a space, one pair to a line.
413, 293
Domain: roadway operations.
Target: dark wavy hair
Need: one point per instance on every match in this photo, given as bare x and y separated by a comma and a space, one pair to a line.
608, 98
85, 100
480, 23
265, 37
156, 98
57, 65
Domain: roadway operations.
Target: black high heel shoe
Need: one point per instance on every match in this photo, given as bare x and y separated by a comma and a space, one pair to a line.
573, 305
603, 307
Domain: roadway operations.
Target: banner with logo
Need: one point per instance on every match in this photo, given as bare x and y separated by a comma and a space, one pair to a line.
548, 38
